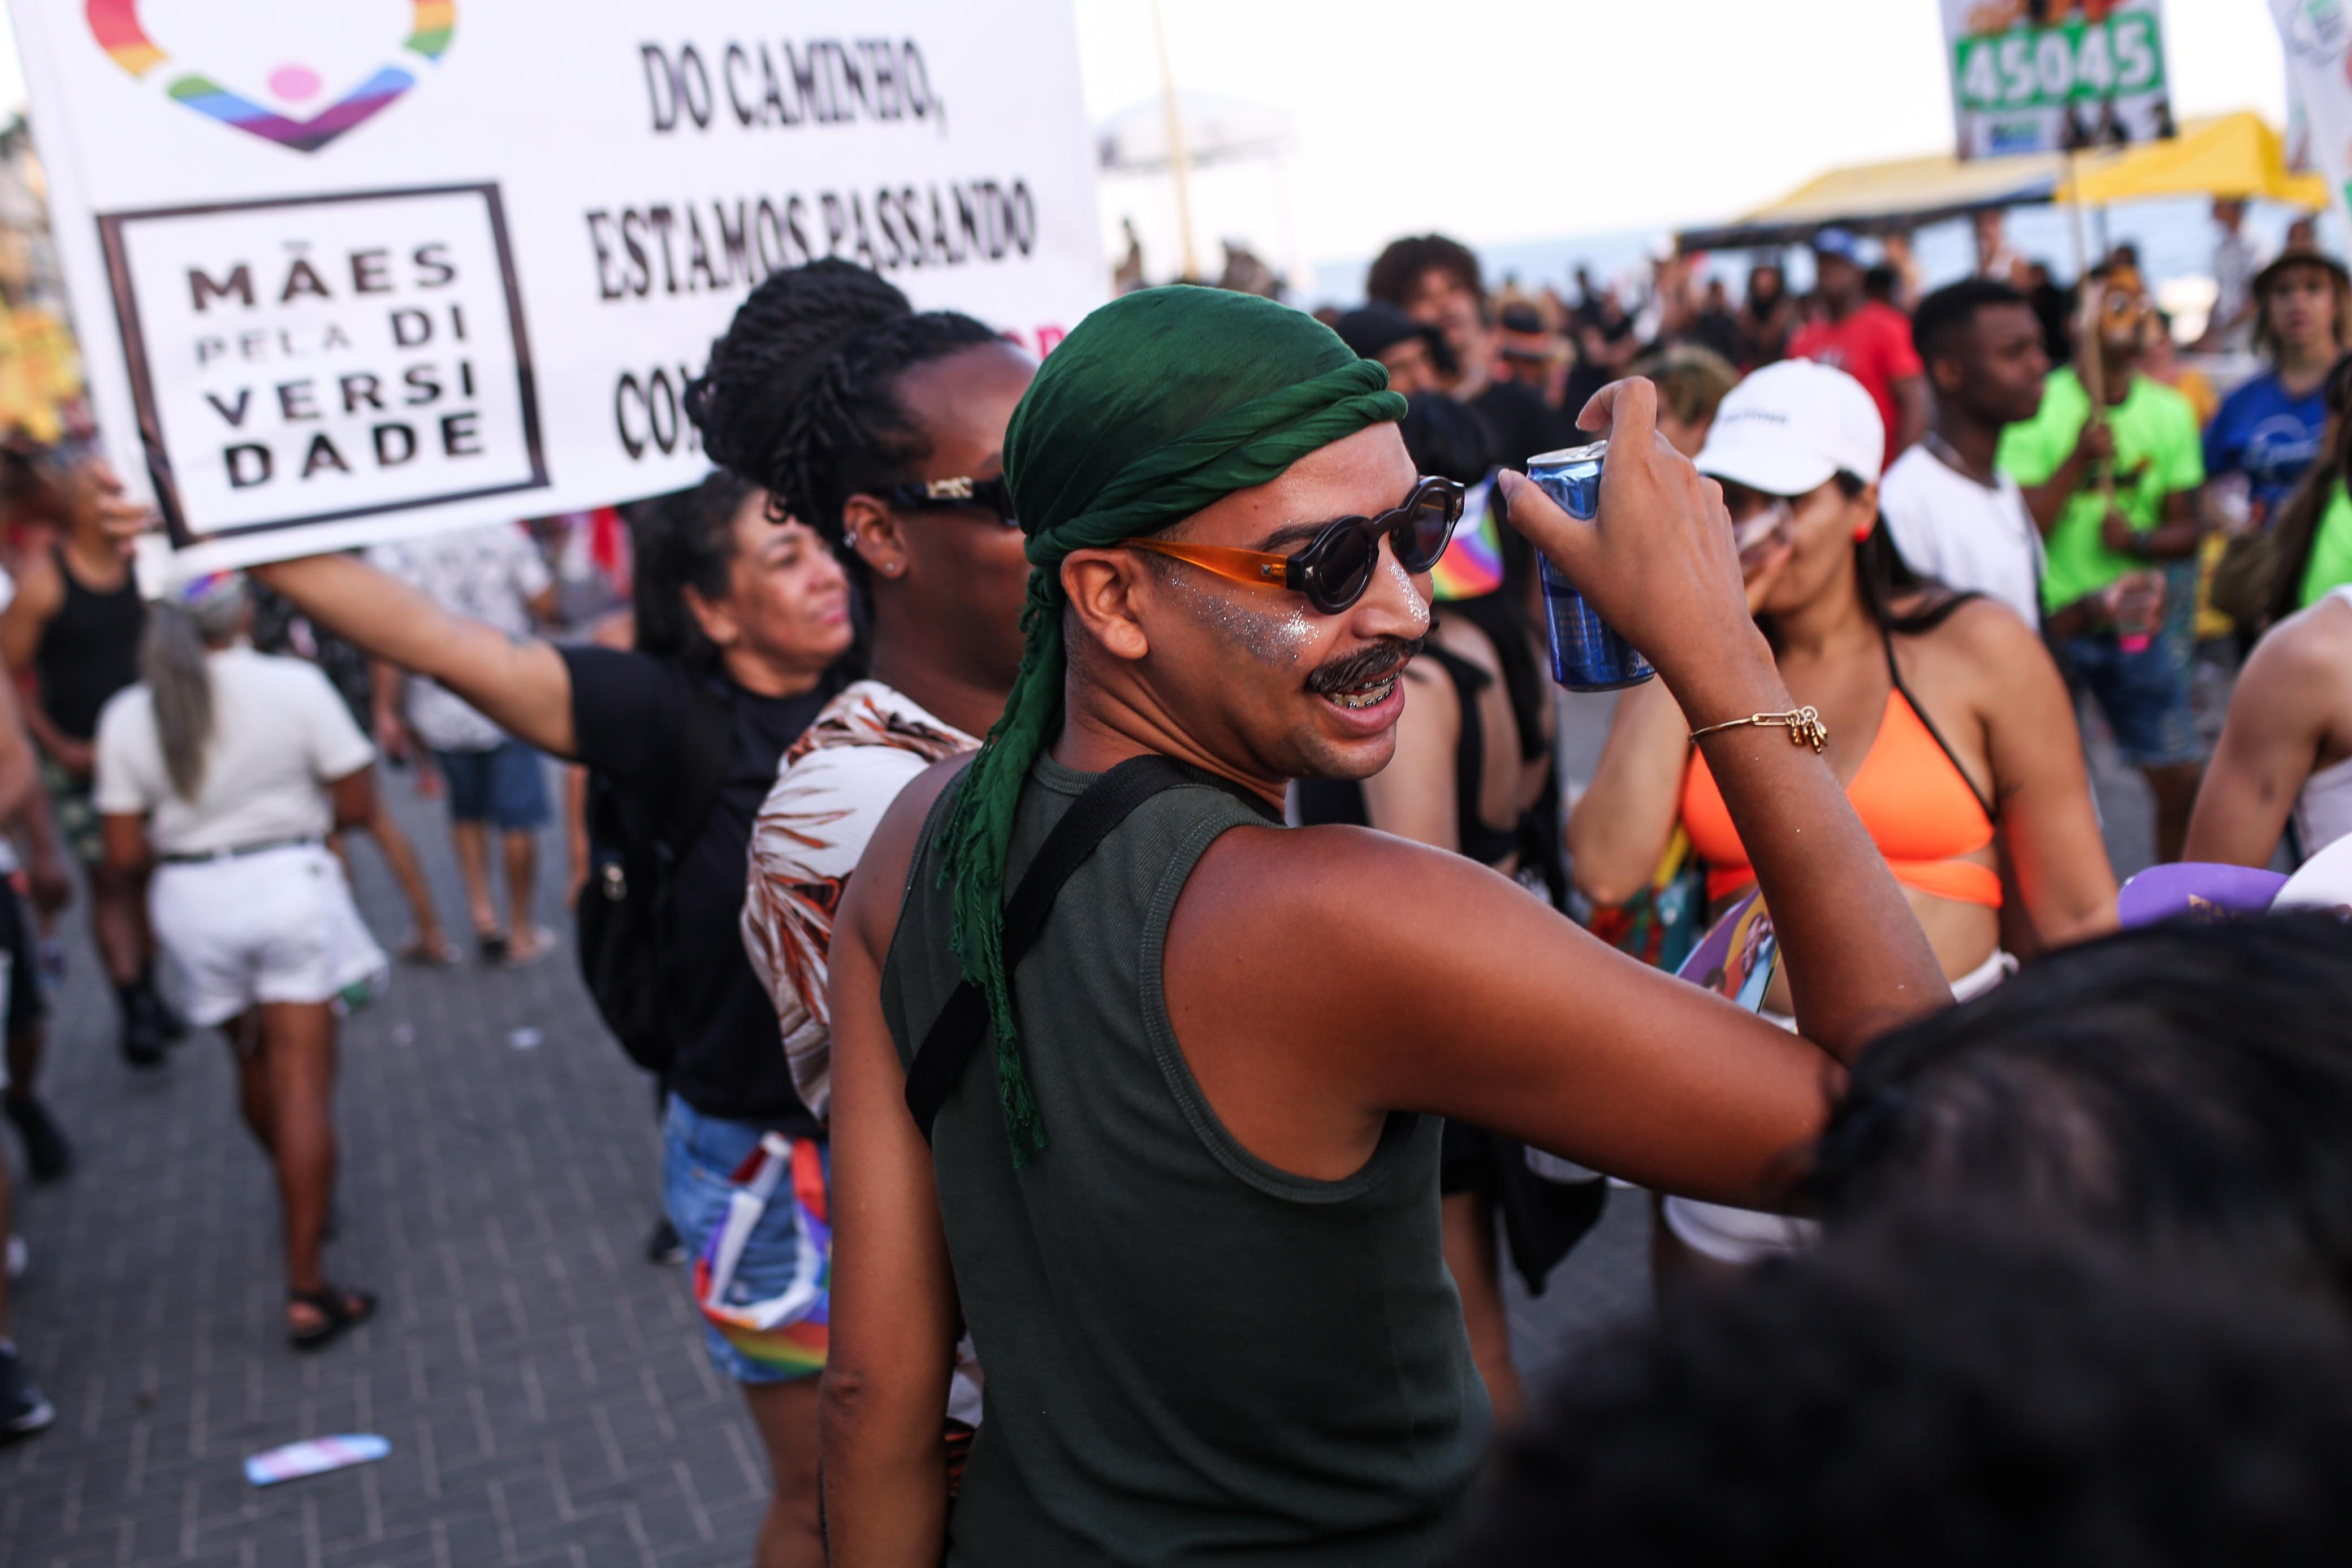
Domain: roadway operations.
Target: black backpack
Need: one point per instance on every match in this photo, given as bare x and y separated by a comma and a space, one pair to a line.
624, 914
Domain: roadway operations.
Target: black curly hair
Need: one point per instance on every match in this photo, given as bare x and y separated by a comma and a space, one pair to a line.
800, 394
1954, 1392
1397, 272
2183, 1089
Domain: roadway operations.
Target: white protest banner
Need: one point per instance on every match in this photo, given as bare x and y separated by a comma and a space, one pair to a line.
2050, 76
346, 271
2318, 38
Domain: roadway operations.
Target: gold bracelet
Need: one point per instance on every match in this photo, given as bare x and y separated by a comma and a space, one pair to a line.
1803, 724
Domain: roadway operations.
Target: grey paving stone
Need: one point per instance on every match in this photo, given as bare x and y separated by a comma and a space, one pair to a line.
497, 1200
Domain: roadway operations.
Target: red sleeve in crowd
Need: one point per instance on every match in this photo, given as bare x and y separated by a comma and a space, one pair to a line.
1897, 352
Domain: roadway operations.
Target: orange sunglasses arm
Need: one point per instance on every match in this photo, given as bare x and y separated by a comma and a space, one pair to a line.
1241, 565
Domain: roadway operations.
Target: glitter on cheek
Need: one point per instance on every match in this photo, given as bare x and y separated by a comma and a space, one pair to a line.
1272, 640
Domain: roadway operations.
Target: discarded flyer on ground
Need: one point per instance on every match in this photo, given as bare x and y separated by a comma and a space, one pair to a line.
315, 1457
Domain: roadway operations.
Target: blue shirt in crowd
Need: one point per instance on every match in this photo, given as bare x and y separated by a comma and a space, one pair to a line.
2269, 436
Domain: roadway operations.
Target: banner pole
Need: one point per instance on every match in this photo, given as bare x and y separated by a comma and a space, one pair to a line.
2094, 370
1179, 160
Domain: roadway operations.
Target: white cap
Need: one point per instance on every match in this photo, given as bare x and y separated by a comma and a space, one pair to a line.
1788, 427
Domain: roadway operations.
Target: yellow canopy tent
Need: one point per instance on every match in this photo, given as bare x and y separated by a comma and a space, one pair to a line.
2226, 155
1874, 197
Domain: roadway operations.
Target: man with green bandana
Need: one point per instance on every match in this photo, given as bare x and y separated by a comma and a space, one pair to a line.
1185, 1200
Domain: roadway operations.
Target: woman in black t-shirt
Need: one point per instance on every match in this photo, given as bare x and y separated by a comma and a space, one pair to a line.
754, 611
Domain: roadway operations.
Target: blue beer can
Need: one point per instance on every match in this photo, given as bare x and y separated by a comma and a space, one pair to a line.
1587, 653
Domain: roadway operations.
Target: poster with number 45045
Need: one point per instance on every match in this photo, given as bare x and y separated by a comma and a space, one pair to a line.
2051, 76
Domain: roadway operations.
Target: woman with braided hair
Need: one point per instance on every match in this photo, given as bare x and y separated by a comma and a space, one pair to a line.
884, 429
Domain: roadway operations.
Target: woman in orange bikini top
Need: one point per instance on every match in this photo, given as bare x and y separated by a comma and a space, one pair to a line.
1947, 723
1913, 795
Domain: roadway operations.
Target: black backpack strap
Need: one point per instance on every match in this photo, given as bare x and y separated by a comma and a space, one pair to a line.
957, 1032
704, 738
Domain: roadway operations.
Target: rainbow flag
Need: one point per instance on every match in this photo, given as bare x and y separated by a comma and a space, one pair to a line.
434, 21
787, 1333
1472, 566
116, 25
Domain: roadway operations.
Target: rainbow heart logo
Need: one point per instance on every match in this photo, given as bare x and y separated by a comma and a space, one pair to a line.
118, 31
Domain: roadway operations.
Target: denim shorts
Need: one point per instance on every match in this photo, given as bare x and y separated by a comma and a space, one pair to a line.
700, 1158
506, 786
2145, 695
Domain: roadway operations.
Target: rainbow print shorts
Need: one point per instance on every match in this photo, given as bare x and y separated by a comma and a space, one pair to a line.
751, 1206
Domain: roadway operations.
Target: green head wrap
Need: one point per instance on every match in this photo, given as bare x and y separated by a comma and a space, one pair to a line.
1160, 403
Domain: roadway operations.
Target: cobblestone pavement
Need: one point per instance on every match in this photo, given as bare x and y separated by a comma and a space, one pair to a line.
544, 1387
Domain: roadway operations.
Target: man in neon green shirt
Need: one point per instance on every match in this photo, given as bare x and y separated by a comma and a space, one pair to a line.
2148, 439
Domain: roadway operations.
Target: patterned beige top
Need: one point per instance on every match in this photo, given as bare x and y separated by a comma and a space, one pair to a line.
831, 791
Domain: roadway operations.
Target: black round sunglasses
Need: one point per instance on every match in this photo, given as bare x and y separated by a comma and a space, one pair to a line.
1337, 566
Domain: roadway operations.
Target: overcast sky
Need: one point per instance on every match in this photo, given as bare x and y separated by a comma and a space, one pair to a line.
1501, 120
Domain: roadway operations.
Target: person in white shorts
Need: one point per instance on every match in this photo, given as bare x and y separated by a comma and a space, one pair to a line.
229, 768
2286, 757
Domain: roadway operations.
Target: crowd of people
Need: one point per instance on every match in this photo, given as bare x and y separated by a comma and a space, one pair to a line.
1082, 848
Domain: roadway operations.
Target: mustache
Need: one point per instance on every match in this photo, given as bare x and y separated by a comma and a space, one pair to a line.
1367, 664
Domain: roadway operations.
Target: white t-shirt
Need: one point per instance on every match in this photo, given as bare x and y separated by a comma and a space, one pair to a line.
1963, 534
488, 574
280, 735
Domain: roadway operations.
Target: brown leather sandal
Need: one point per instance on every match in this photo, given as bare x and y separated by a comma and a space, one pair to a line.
338, 1309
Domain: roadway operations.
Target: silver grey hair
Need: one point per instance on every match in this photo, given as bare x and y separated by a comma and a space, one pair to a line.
172, 661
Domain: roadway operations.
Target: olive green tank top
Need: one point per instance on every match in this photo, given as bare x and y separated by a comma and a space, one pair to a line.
1190, 1356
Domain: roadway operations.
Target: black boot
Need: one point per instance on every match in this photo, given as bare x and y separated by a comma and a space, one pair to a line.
143, 1038
169, 1025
